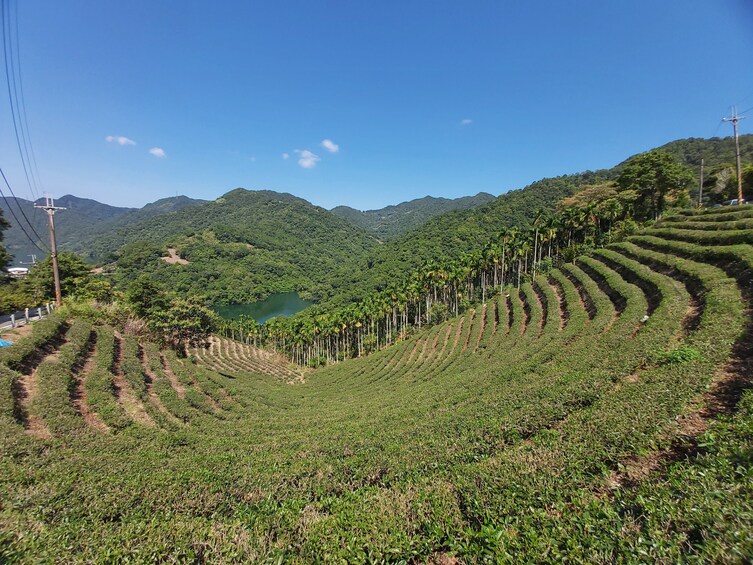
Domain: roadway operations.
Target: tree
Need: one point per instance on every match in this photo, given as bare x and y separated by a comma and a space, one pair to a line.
145, 295
138, 255
654, 176
5, 257
74, 273
186, 322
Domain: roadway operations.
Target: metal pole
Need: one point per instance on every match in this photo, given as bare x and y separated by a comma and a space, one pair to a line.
54, 256
734, 119
700, 187
50, 208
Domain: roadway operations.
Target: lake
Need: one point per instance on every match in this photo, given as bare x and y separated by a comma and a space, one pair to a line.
283, 304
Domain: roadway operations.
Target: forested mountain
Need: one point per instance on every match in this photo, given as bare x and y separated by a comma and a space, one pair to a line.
452, 234
83, 217
248, 244
715, 151
242, 246
449, 235
396, 220
83, 221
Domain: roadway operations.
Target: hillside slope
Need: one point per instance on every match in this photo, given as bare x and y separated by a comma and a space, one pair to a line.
82, 222
392, 221
83, 218
242, 246
600, 413
449, 235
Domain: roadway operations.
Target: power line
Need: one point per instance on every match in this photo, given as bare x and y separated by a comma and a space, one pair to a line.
25, 124
20, 209
18, 223
10, 77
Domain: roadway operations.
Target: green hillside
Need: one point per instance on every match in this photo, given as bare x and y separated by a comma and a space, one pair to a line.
449, 235
391, 221
600, 413
83, 216
244, 245
83, 221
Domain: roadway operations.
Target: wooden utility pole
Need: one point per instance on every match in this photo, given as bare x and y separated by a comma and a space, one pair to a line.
50, 208
700, 187
734, 119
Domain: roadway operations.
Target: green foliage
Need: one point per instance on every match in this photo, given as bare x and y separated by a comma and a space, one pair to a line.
22, 352
82, 222
56, 382
184, 323
5, 257
100, 385
137, 256
539, 427
393, 221
682, 354
239, 248
74, 274
655, 177
146, 296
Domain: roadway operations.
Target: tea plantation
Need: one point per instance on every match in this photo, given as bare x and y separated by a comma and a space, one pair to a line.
600, 413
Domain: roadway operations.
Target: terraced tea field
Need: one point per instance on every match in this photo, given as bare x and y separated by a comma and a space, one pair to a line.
599, 413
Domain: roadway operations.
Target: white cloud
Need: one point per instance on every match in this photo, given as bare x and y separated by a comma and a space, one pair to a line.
286, 156
466, 122
330, 145
158, 152
120, 140
307, 159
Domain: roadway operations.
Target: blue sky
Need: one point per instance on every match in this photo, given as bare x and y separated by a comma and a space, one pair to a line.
416, 98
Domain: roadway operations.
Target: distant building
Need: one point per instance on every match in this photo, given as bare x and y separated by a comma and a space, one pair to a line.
18, 272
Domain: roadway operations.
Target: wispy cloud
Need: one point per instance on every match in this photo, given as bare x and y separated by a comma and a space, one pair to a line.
158, 152
286, 156
120, 140
307, 159
330, 145
466, 122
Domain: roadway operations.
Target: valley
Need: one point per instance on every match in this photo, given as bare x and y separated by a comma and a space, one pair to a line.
579, 380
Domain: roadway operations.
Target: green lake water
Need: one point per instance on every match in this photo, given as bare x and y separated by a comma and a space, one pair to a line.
283, 304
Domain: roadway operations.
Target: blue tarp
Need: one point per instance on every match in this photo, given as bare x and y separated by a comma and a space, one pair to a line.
4, 343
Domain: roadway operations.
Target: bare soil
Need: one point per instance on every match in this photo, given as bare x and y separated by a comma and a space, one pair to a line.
173, 258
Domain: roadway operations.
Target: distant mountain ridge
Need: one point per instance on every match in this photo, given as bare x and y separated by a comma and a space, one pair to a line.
82, 221
392, 221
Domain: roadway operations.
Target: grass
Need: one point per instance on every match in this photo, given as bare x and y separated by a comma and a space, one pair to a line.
573, 431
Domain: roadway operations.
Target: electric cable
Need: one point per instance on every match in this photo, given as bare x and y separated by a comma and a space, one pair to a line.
18, 223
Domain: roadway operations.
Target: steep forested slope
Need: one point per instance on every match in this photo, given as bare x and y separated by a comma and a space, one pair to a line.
241, 246
454, 233
449, 235
396, 220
